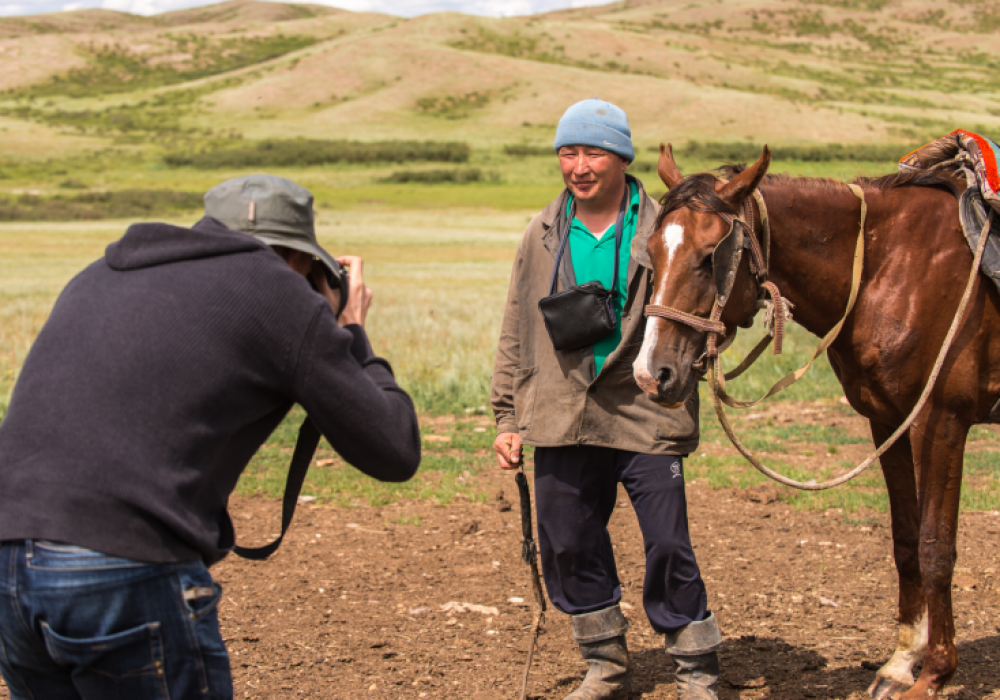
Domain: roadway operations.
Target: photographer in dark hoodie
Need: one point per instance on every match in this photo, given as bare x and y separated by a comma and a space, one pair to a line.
162, 369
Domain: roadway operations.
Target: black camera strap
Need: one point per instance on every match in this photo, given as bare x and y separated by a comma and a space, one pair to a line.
305, 448
619, 226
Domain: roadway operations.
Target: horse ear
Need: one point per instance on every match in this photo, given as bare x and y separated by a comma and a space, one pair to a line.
740, 186
667, 168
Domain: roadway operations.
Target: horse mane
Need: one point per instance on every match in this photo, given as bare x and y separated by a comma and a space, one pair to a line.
698, 191
930, 177
694, 192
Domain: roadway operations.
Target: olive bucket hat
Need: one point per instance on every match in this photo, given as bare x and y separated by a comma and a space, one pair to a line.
276, 211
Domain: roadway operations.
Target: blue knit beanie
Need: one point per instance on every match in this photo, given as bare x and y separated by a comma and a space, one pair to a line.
596, 123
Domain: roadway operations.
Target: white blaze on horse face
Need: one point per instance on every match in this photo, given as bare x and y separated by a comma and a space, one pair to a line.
673, 236
909, 651
640, 368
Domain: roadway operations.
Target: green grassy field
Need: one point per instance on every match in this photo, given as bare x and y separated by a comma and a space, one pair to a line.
438, 259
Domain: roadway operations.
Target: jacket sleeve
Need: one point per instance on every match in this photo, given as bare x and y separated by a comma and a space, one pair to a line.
354, 400
508, 357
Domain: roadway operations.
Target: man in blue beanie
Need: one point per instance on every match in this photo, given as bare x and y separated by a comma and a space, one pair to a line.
591, 425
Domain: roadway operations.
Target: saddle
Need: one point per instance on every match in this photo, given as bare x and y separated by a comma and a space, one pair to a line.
972, 158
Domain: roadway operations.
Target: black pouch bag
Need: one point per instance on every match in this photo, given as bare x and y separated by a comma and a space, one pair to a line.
585, 313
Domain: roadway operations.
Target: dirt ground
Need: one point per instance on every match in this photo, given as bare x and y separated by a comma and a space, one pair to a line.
354, 606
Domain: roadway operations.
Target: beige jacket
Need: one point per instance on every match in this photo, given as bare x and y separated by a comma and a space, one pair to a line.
552, 398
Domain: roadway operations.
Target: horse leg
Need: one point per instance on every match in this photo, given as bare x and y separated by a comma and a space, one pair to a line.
897, 466
938, 447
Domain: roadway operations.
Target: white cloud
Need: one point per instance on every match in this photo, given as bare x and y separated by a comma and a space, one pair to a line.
30, 8
405, 8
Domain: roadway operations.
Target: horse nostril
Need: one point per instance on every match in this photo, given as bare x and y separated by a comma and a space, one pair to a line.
664, 378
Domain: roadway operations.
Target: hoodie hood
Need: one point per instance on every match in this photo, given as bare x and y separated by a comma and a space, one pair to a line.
148, 245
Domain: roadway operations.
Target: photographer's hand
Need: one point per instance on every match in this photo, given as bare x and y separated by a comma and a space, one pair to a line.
360, 297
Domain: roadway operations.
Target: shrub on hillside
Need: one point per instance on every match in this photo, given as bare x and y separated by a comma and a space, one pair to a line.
522, 150
98, 205
112, 68
303, 152
742, 151
436, 176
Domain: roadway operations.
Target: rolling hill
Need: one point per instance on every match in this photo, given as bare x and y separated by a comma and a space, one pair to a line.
780, 71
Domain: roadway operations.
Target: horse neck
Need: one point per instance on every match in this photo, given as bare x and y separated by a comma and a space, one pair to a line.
814, 230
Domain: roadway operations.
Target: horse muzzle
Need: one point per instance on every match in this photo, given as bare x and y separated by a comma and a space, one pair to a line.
672, 389
663, 383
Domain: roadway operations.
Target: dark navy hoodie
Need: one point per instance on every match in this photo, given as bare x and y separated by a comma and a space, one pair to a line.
162, 369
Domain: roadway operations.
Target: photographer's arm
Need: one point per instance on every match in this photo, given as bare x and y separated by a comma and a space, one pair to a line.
350, 393
352, 397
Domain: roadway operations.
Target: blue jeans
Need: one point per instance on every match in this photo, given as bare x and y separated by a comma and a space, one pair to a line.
76, 624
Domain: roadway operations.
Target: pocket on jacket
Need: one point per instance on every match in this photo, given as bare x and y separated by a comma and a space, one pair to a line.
524, 396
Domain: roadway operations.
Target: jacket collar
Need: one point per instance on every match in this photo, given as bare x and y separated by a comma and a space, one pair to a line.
554, 221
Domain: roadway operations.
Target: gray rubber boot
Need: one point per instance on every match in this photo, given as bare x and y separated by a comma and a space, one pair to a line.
694, 650
601, 636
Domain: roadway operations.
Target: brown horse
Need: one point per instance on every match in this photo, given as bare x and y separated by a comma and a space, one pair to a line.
916, 266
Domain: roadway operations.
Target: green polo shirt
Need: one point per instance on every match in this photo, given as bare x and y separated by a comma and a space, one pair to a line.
594, 259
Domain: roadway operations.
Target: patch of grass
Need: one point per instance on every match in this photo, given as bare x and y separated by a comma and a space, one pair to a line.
158, 119
534, 48
737, 151
305, 152
436, 176
98, 205
447, 473
523, 150
453, 106
113, 68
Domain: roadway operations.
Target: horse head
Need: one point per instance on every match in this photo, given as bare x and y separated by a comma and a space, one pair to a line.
695, 255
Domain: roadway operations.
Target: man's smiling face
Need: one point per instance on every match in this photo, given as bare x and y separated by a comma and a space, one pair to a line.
589, 172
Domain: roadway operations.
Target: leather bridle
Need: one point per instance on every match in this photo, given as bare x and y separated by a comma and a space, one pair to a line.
758, 263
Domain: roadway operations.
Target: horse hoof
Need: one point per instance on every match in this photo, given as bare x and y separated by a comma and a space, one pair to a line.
883, 688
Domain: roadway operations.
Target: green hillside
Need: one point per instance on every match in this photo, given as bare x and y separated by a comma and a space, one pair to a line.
828, 71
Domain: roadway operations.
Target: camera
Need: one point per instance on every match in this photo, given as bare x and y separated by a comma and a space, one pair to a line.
338, 278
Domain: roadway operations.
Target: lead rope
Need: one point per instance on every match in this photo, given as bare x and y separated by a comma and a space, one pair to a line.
931, 381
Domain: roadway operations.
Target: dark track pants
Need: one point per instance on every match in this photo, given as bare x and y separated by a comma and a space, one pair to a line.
575, 494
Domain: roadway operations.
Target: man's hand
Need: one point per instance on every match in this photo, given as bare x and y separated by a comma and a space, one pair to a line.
359, 297
508, 449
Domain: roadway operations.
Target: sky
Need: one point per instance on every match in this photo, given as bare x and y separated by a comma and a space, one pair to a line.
405, 8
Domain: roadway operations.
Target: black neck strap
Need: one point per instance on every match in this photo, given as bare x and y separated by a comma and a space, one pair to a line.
305, 448
619, 225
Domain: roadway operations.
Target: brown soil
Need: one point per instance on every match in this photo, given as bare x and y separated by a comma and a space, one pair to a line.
352, 604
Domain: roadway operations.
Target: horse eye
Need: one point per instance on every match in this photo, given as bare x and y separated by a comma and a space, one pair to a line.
706, 264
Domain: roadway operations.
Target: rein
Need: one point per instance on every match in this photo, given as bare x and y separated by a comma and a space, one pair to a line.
717, 379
